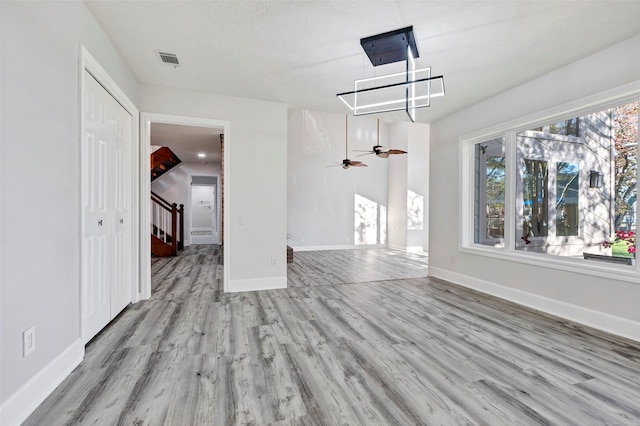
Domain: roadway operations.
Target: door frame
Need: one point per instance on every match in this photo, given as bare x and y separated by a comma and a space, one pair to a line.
146, 118
92, 66
218, 203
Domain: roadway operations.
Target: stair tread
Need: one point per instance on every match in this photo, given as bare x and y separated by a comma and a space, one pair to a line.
163, 160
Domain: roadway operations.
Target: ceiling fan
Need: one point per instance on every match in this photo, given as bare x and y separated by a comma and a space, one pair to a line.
381, 151
346, 163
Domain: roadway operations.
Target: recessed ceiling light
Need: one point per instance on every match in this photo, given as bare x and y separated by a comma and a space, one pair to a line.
202, 155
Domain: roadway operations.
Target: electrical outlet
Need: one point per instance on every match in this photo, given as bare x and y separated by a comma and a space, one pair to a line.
273, 261
28, 341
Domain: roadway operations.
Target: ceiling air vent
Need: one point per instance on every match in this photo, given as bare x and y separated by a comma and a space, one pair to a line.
169, 58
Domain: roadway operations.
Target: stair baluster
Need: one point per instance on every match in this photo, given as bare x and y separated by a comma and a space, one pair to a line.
166, 236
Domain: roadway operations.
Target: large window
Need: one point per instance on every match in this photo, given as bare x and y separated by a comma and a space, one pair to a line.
573, 186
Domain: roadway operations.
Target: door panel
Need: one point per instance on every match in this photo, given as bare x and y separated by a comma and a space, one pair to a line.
95, 245
121, 286
95, 303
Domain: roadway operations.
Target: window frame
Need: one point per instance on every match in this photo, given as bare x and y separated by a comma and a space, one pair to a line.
552, 159
509, 130
482, 220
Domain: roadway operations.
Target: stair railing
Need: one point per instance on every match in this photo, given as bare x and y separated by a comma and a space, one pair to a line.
167, 222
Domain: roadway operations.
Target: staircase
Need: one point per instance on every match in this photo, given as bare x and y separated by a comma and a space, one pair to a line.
167, 227
162, 160
167, 219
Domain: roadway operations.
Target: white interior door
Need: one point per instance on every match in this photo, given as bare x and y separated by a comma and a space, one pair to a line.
122, 235
106, 208
203, 214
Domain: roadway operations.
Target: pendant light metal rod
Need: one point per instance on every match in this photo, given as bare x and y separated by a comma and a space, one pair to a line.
346, 136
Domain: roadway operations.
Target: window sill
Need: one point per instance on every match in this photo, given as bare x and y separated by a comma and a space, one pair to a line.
581, 266
619, 260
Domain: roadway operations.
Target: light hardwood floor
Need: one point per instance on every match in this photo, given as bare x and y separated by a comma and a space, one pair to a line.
312, 268
393, 352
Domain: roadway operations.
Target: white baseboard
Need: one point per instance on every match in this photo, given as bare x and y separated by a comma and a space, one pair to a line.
21, 404
599, 320
415, 249
256, 284
341, 247
411, 249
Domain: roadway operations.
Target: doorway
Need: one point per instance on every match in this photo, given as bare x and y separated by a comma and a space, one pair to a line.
200, 166
204, 206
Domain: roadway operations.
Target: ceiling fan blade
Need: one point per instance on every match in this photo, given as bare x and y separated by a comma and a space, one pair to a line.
346, 166
342, 163
358, 164
396, 151
366, 153
383, 154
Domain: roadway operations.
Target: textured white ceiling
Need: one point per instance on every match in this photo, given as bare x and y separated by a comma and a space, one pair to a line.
304, 52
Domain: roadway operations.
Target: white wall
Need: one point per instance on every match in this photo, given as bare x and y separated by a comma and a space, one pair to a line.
255, 197
40, 270
408, 173
605, 303
174, 187
321, 198
418, 182
398, 185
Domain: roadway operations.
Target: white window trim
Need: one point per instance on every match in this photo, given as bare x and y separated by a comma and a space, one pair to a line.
607, 99
483, 221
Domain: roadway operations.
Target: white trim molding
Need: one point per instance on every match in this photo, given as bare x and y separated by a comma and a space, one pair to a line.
340, 247
599, 320
407, 249
256, 284
21, 404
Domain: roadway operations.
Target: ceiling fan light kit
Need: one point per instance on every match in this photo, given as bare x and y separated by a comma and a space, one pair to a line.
401, 91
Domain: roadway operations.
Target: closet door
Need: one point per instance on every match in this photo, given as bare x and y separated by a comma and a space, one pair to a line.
106, 208
122, 237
